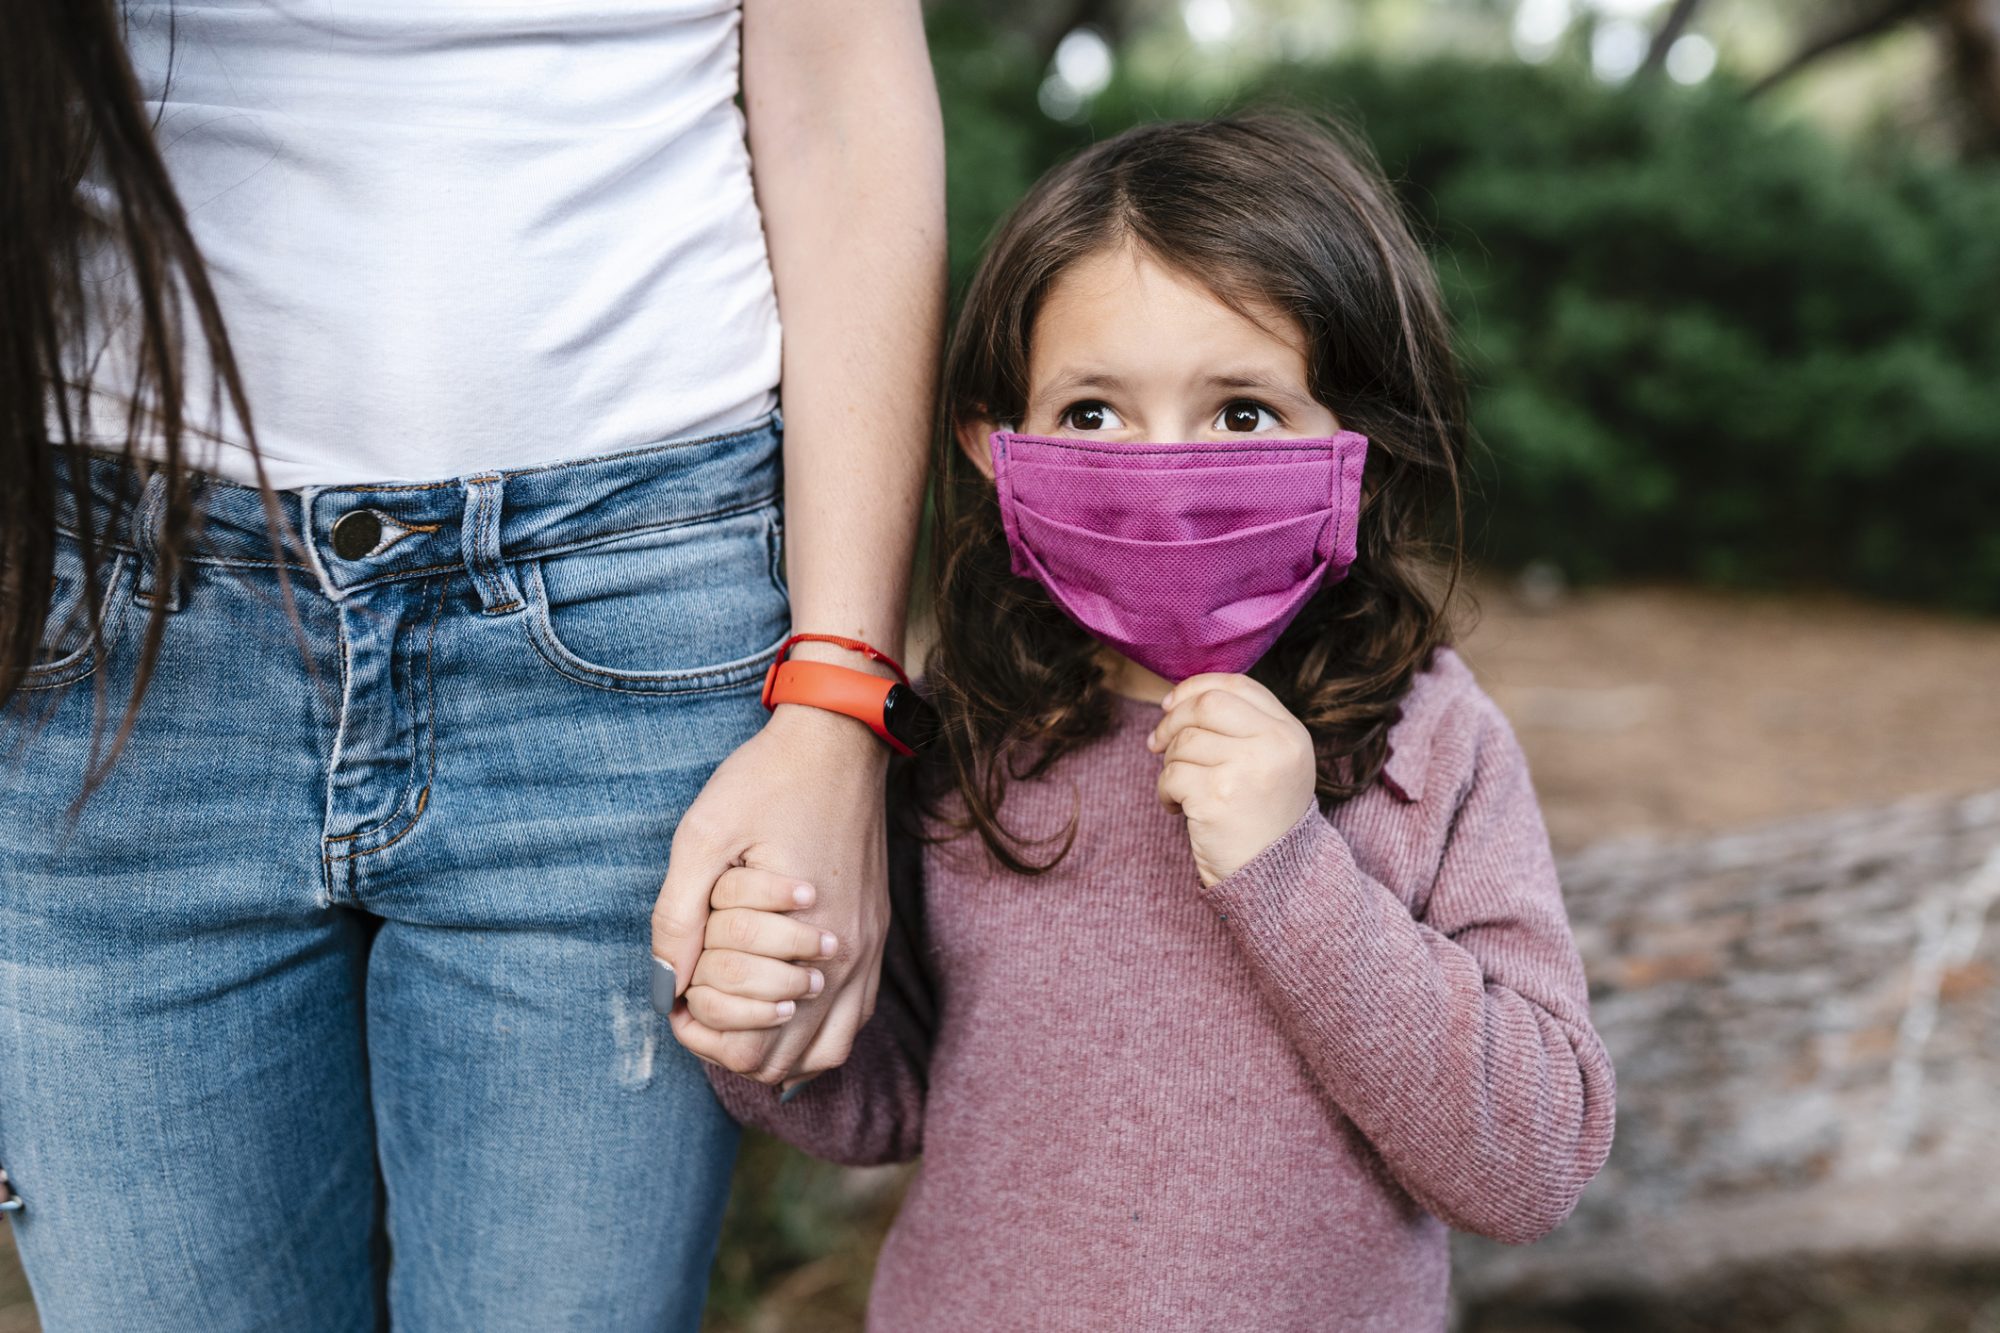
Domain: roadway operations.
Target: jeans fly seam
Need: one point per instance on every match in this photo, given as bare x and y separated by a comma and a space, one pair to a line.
333, 759
430, 756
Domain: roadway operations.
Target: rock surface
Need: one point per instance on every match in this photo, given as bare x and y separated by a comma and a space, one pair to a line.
1806, 1023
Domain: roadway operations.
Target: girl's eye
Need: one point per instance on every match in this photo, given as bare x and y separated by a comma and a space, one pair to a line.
1245, 416
1090, 416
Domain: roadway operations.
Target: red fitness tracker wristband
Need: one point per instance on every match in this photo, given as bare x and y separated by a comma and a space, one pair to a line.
889, 708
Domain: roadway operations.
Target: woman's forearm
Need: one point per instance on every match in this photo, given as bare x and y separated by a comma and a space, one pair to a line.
847, 147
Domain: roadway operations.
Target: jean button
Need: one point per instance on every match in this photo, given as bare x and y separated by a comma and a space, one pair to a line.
356, 533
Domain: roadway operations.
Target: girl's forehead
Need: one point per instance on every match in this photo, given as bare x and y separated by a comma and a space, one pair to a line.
1124, 308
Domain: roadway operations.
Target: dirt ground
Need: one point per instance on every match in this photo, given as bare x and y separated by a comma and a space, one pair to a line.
1657, 711
1649, 712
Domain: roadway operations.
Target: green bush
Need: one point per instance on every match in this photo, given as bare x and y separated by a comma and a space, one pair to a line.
1703, 343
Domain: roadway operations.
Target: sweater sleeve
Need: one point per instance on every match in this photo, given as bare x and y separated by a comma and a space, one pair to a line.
1459, 1040
871, 1109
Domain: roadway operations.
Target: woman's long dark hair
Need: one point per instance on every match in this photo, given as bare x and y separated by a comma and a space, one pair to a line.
1273, 213
69, 102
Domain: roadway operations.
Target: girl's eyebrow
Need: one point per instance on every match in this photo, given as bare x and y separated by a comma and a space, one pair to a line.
1071, 380
1251, 380
1240, 379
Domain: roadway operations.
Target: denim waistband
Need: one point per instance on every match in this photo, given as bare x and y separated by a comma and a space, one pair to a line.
472, 522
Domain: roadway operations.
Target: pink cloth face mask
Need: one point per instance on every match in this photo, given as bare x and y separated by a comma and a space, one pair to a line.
1184, 557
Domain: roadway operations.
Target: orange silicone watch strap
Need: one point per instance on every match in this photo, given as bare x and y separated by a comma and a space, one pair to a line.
857, 694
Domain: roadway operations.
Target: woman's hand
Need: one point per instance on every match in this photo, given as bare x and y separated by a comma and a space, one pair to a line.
803, 801
1238, 766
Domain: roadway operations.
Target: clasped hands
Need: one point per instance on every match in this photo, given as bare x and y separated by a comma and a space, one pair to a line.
776, 903
775, 908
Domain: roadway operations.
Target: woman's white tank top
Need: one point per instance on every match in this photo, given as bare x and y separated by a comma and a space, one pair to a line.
451, 236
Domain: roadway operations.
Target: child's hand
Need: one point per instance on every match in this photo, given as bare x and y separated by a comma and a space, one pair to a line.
1239, 766
745, 978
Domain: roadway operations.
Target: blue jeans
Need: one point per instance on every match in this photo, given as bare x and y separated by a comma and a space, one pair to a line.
330, 1005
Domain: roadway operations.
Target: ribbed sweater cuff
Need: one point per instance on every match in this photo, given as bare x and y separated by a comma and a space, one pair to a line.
1304, 855
747, 1100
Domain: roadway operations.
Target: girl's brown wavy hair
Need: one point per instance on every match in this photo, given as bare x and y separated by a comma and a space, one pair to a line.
1275, 214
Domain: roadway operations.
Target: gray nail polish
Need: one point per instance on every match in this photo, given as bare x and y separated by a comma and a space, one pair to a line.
663, 986
791, 1092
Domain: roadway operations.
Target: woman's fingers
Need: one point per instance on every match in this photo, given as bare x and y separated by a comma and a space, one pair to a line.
733, 1013
834, 1041
756, 978
771, 934
740, 1052
764, 890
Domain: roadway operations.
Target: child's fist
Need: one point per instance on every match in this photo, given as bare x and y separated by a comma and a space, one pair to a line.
747, 975
1238, 766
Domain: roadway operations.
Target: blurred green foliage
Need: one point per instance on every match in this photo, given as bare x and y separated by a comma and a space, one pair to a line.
799, 1241
1703, 343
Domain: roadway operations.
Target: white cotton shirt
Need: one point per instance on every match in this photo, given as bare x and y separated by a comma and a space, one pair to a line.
448, 236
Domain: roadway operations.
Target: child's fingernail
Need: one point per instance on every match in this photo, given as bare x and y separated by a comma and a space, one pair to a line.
827, 944
786, 1008
815, 980
803, 895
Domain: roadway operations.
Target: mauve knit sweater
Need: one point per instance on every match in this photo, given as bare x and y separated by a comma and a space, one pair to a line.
1144, 1104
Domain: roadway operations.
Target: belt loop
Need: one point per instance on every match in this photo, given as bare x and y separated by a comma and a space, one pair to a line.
146, 520
479, 538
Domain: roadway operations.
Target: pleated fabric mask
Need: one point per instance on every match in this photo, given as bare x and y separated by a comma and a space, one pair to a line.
1184, 557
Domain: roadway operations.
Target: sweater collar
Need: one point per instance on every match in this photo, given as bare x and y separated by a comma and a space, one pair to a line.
1415, 728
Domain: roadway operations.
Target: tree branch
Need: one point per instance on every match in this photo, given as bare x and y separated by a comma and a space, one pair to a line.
1669, 32
1859, 27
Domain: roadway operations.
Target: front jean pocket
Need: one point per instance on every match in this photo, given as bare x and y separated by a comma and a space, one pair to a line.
698, 606
77, 633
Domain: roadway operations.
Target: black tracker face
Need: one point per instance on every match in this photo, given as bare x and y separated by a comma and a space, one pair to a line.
909, 717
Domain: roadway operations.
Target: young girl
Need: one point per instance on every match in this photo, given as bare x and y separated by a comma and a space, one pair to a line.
1230, 965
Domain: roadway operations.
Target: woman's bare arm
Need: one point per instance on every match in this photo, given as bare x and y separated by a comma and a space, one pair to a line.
847, 149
